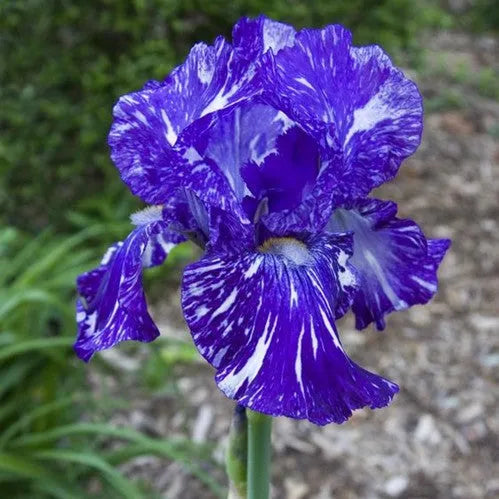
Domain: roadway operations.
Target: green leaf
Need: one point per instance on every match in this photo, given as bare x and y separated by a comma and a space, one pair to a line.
34, 414
12, 375
28, 253
134, 450
29, 469
181, 450
37, 345
29, 296
47, 260
125, 487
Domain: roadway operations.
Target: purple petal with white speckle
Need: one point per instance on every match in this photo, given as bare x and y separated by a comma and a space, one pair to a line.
149, 124
396, 265
353, 100
265, 320
246, 132
112, 305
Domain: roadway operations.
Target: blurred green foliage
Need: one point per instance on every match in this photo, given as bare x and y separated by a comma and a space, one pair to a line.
479, 16
53, 439
64, 64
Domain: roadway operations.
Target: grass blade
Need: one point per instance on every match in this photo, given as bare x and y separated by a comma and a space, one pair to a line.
125, 487
29, 469
182, 451
37, 345
34, 414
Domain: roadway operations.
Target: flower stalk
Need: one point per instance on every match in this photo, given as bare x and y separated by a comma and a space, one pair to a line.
259, 430
236, 459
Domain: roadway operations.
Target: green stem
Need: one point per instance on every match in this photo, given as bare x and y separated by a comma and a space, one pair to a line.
236, 459
259, 428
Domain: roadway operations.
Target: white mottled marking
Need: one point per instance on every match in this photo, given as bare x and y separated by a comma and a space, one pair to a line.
383, 281
191, 155
141, 117
276, 36
219, 356
208, 268
298, 368
286, 122
205, 70
375, 111
166, 245
147, 255
201, 311
427, 285
91, 322
170, 134
253, 268
228, 302
304, 82
231, 383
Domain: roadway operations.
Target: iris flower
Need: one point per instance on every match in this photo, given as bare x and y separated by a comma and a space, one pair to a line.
264, 153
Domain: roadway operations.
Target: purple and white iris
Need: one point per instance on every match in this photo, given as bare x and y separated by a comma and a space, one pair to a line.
264, 152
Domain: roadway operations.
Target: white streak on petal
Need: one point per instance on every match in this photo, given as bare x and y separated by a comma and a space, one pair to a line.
209, 268
298, 370
201, 311
385, 285
233, 381
427, 285
293, 295
331, 330
170, 134
304, 82
141, 117
219, 356
253, 268
375, 111
314, 337
108, 254
228, 302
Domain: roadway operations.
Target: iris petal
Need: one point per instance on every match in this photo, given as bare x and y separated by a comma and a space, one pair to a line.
352, 99
149, 124
396, 265
247, 132
286, 175
313, 211
253, 37
112, 305
265, 320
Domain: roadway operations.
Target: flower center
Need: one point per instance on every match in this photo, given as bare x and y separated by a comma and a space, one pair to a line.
288, 247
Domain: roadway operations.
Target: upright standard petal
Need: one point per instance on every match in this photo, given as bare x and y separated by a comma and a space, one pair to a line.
286, 175
254, 37
265, 320
165, 115
352, 99
246, 133
112, 305
147, 124
314, 196
396, 265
